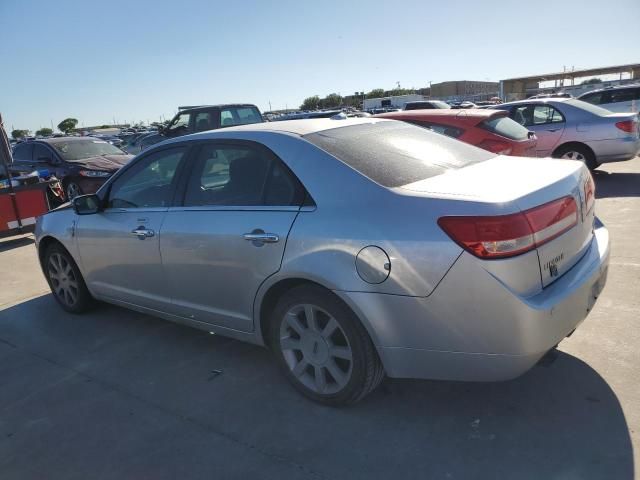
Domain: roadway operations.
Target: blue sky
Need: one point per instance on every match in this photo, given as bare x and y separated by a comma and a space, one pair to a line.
138, 60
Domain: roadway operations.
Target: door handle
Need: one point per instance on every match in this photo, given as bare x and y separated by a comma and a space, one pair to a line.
553, 129
142, 233
261, 237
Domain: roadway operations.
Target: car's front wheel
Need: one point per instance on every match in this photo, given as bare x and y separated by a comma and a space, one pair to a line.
323, 348
65, 280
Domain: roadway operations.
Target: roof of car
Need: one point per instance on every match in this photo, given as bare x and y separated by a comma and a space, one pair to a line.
55, 140
613, 87
442, 113
208, 107
533, 100
301, 127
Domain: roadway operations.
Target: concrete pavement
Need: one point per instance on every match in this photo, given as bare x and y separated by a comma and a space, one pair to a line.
116, 394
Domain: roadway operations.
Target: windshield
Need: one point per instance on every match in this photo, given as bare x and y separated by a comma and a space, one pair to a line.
81, 149
601, 112
393, 154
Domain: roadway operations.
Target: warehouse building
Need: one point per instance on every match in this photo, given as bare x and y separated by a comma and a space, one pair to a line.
568, 81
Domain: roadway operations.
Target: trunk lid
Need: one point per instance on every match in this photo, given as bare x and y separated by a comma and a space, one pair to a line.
520, 184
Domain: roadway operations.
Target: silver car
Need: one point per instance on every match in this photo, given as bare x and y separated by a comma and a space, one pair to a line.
577, 130
352, 248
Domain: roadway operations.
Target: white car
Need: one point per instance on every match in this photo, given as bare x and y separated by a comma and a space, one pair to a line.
620, 99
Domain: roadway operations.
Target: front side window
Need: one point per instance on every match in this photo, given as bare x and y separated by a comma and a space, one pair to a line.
180, 124
231, 175
593, 98
149, 183
23, 152
42, 153
529, 115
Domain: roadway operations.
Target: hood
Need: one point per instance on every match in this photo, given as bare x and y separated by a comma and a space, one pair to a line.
105, 163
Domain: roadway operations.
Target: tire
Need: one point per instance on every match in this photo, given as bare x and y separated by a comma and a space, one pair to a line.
577, 152
330, 358
72, 190
65, 280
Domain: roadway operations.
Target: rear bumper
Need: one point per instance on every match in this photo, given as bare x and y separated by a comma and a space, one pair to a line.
472, 327
615, 150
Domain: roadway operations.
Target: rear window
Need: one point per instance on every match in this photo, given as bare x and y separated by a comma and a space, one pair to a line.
239, 116
505, 127
601, 112
393, 154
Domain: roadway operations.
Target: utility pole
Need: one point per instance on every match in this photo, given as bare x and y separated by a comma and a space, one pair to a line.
270, 106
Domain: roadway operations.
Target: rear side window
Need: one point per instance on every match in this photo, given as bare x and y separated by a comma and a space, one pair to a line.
240, 175
393, 154
447, 130
625, 95
239, 116
505, 127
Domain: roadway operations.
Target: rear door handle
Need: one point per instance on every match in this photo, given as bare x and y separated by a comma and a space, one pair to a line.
553, 129
261, 237
142, 233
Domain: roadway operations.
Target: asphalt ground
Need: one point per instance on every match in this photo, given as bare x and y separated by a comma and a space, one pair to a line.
120, 395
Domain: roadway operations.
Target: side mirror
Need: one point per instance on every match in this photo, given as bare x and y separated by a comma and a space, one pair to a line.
160, 129
86, 204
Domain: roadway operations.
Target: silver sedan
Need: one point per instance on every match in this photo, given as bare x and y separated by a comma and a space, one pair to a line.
352, 248
577, 130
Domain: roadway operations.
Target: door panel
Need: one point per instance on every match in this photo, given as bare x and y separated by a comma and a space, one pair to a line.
120, 265
229, 236
213, 271
546, 121
120, 246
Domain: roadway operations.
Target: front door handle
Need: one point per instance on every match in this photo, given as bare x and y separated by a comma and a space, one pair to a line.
552, 129
261, 237
142, 232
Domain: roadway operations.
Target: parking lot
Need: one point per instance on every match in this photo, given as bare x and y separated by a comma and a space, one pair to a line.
116, 394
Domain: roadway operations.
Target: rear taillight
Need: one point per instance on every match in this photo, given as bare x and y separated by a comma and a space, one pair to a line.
629, 126
496, 146
589, 194
503, 236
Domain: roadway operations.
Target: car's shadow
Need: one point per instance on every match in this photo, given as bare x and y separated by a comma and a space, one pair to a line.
9, 243
616, 184
559, 421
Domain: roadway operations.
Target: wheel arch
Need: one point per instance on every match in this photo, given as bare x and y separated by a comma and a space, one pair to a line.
268, 299
574, 144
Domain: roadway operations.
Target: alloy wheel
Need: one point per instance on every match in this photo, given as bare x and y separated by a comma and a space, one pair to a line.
316, 349
63, 279
573, 155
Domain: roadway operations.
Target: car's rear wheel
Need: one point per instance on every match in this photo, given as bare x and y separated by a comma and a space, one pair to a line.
65, 280
73, 190
322, 347
577, 152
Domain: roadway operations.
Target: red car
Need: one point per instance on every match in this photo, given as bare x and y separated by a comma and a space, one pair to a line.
492, 130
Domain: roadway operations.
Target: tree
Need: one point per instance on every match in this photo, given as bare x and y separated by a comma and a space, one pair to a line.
310, 103
16, 134
44, 132
332, 100
591, 81
67, 125
376, 93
